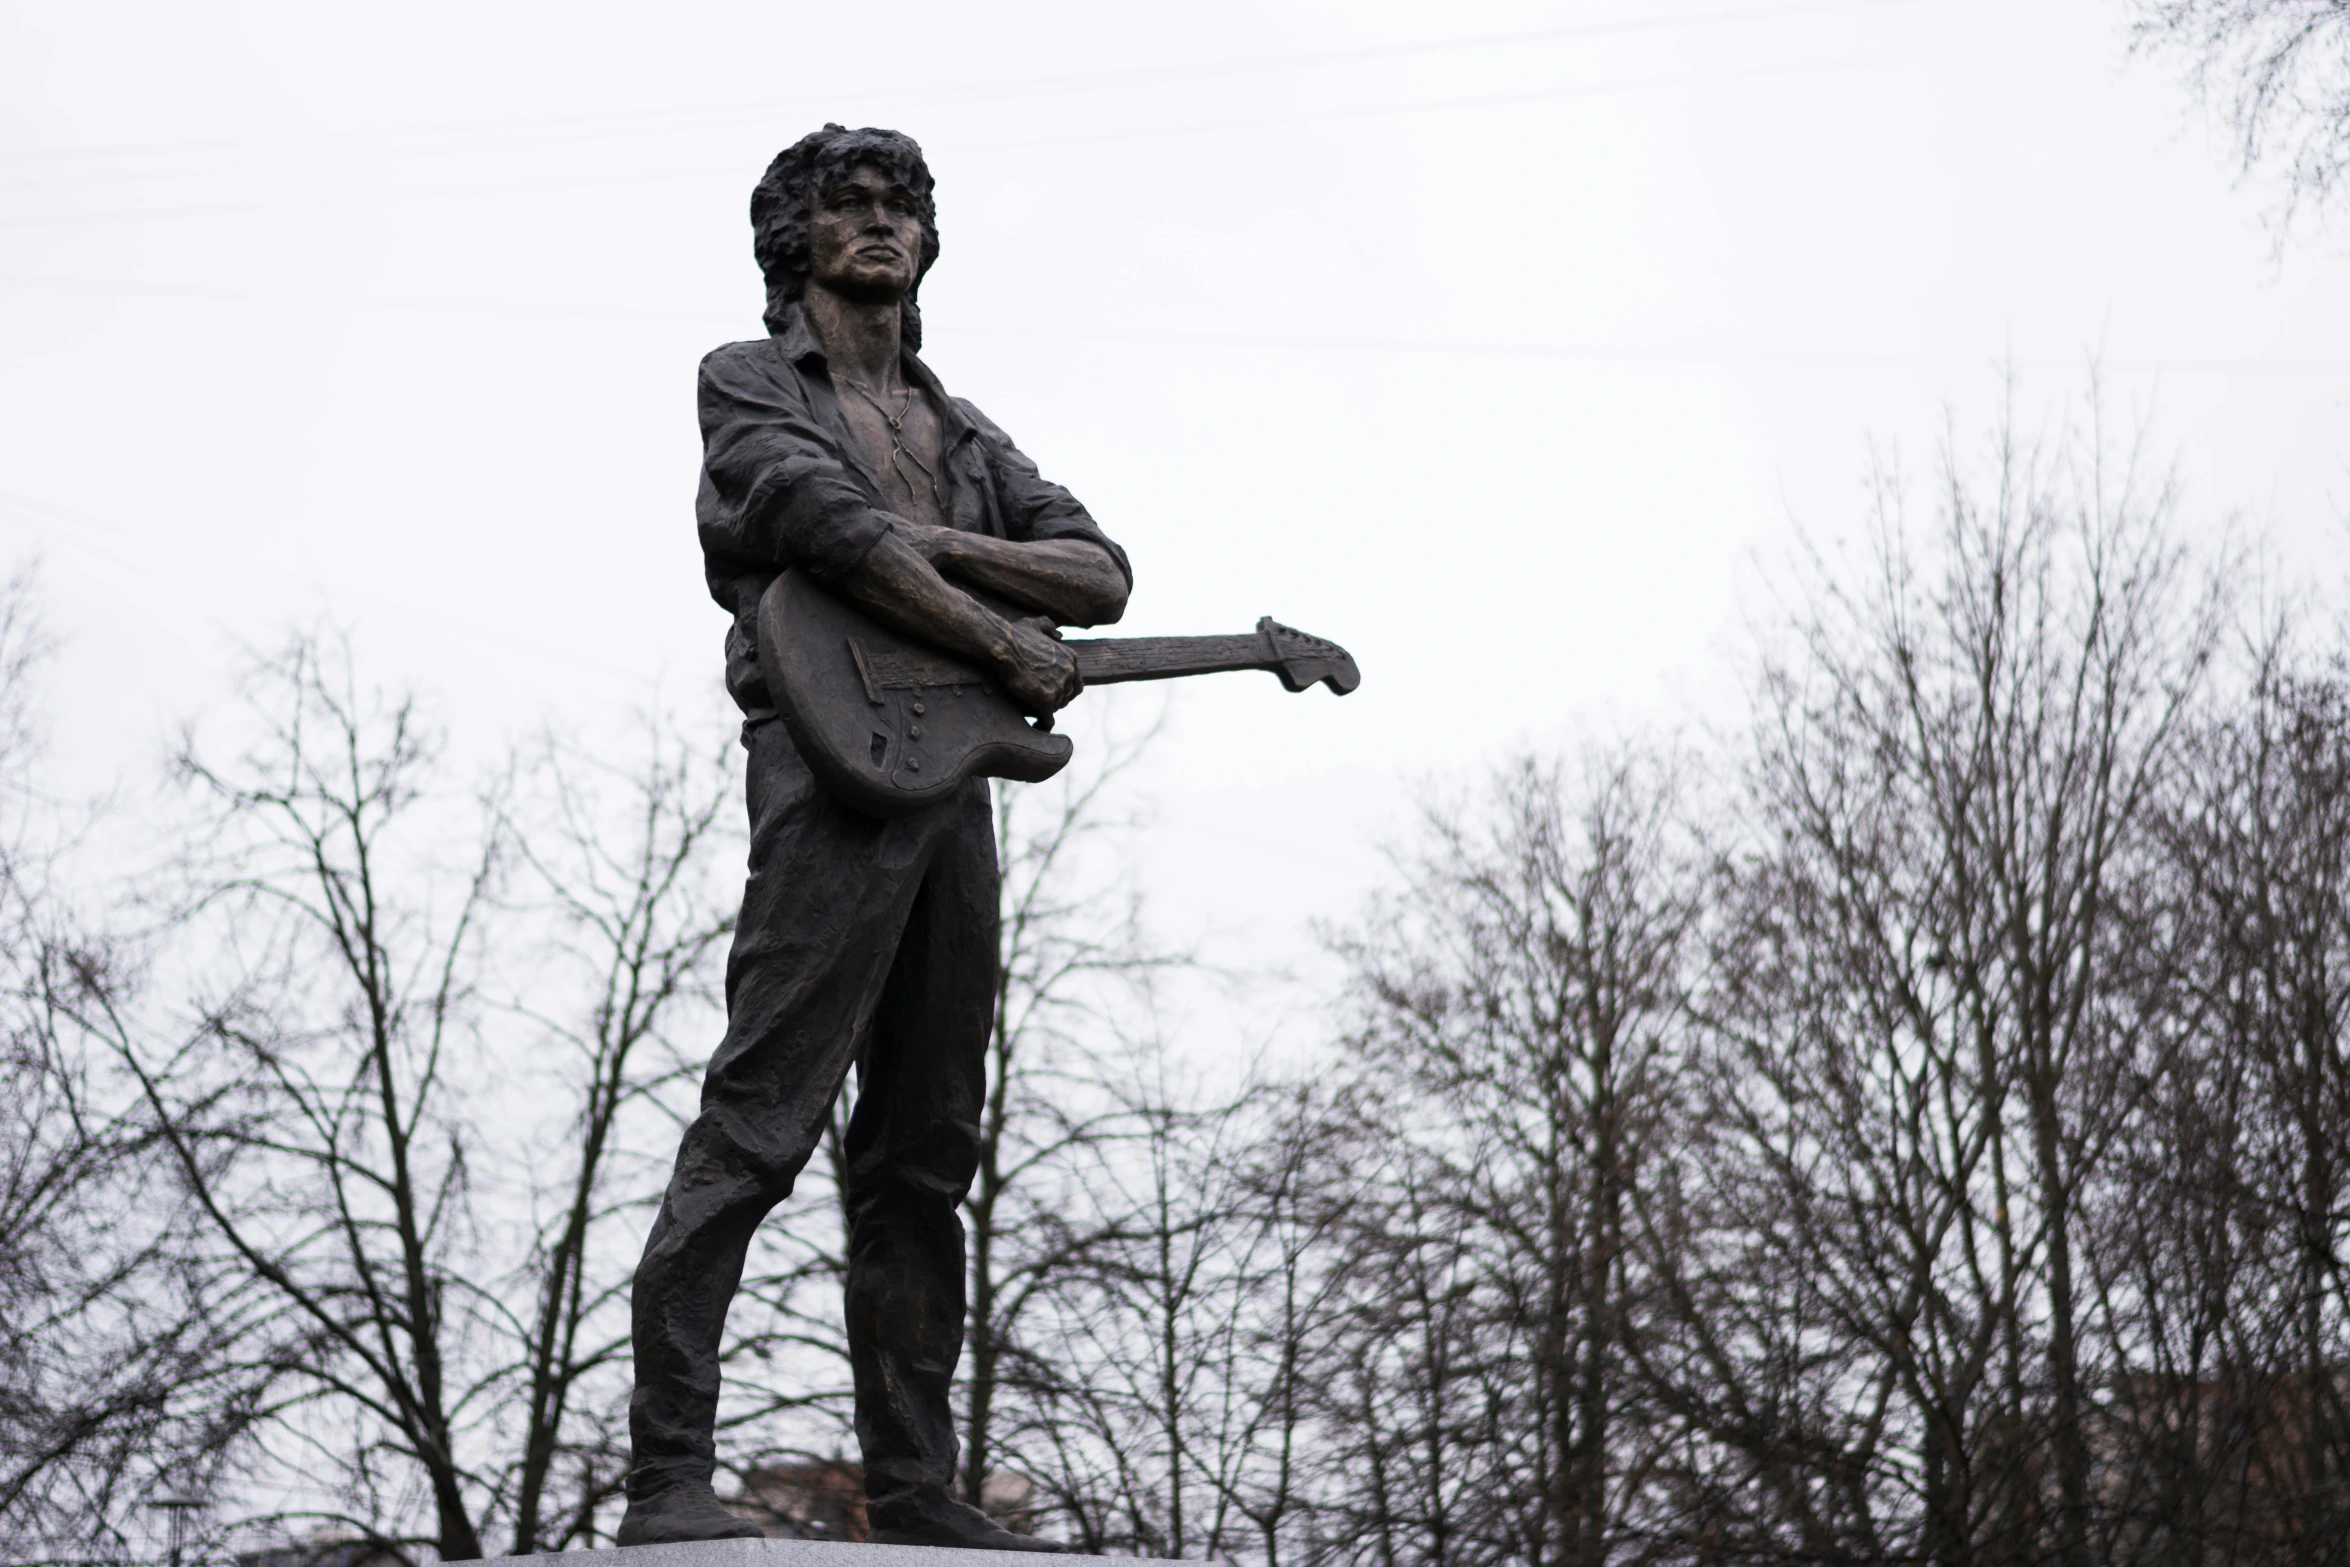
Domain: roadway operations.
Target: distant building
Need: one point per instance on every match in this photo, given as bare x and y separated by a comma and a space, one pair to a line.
2220, 1466
824, 1499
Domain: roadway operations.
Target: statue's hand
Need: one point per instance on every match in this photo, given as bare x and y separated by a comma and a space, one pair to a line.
1039, 673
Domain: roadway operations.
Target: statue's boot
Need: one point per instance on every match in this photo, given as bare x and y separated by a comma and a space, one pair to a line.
679, 1513
928, 1516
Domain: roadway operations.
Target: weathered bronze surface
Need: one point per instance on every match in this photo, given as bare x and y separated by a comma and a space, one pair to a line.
910, 649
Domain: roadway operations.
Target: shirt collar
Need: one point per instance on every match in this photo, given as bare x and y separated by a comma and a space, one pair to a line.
795, 341
950, 412
798, 345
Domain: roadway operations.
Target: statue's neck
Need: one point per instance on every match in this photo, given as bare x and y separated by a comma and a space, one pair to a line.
859, 336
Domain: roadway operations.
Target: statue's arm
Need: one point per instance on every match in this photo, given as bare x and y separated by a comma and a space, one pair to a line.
1053, 559
901, 589
1074, 581
775, 495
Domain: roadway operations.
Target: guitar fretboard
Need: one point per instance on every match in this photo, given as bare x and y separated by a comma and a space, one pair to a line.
1108, 660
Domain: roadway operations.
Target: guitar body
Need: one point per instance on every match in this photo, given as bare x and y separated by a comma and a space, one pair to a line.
888, 725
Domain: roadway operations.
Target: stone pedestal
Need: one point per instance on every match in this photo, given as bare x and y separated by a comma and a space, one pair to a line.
806, 1553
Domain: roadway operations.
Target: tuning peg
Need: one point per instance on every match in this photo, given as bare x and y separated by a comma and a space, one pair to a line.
1301, 659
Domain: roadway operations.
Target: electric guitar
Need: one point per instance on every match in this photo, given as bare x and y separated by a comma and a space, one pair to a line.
889, 725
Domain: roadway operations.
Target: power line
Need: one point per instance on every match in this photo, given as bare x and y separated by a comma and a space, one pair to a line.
1546, 94
746, 318
1089, 137
959, 92
1656, 354
1699, 356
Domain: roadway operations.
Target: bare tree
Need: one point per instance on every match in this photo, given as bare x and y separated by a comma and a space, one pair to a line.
1408, 1424
1929, 1042
112, 1384
1073, 953
402, 1192
622, 853
1520, 1043
2278, 69
1119, 1394
1165, 1394
1300, 1220
312, 1100
2237, 1309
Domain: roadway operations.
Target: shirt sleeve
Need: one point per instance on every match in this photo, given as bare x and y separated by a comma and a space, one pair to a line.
774, 491
1032, 506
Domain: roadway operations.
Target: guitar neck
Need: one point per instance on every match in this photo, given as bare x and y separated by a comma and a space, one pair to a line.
1108, 660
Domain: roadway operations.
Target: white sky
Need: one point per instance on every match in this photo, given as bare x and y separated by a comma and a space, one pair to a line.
1508, 344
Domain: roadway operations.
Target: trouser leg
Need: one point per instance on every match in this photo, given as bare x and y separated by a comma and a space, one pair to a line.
828, 894
913, 1146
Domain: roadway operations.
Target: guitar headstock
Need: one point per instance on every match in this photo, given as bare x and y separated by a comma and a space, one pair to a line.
1300, 660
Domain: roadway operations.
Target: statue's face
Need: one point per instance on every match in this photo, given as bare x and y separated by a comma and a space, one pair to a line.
865, 235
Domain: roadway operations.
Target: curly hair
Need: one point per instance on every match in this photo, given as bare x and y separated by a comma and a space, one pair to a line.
785, 194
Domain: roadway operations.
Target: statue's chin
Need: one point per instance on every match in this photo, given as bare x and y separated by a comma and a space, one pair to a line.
867, 290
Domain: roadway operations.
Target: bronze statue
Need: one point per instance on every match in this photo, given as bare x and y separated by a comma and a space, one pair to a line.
913, 567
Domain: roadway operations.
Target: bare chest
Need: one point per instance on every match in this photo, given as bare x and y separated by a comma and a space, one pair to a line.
903, 440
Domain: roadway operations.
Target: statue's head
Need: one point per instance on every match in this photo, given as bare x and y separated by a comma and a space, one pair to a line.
790, 197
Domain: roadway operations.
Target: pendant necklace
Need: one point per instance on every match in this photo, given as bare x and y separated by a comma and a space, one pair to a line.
897, 441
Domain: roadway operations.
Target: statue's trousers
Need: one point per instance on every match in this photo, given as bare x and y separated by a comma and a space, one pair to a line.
861, 941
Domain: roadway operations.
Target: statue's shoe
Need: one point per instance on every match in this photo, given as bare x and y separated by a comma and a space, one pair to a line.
931, 1517
680, 1514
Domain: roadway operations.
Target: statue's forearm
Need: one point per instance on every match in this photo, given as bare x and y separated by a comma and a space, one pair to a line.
904, 591
1073, 580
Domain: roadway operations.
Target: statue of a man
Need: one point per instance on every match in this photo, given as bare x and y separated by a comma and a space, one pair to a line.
830, 449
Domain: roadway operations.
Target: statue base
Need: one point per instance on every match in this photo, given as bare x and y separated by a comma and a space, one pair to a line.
805, 1553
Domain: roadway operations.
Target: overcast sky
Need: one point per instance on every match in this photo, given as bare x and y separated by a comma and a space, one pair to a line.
1511, 345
